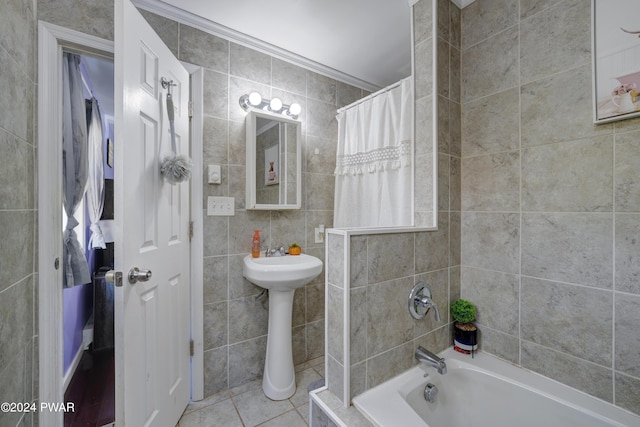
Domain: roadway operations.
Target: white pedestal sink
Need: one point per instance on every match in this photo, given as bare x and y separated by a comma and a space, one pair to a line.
282, 275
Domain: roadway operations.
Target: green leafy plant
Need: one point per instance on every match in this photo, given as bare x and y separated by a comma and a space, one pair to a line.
463, 311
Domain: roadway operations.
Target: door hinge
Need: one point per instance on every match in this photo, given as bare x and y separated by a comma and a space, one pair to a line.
190, 109
192, 350
190, 230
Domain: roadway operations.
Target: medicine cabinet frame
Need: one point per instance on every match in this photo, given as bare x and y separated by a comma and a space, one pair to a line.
284, 176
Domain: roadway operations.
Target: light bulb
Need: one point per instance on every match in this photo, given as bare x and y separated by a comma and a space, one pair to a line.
255, 99
275, 104
295, 109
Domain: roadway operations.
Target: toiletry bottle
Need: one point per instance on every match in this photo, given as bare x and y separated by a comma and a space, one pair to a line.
255, 246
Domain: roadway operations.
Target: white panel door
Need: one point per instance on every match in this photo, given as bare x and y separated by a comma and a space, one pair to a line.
152, 217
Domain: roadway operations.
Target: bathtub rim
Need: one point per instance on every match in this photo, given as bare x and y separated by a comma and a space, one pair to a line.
370, 402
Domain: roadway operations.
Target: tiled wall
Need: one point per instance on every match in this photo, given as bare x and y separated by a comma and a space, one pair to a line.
18, 277
235, 323
550, 202
382, 268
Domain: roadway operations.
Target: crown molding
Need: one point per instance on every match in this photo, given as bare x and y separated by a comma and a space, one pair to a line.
463, 3
183, 17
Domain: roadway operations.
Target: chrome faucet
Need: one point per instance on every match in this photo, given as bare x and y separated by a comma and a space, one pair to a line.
425, 356
275, 252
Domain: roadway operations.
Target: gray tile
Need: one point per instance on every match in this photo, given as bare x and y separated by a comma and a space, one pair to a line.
249, 64
13, 389
315, 339
422, 20
216, 279
222, 413
431, 253
255, 408
335, 377
423, 57
248, 319
246, 361
288, 419
388, 325
498, 343
565, 317
241, 230
628, 393
531, 7
321, 88
627, 164
216, 235
455, 184
16, 246
578, 173
347, 94
390, 256
216, 325
17, 19
303, 380
289, 76
496, 296
491, 241
571, 247
491, 182
486, 18
216, 99
443, 19
287, 227
92, 17
627, 323
627, 260
423, 191
16, 318
319, 155
335, 323
335, 263
442, 62
547, 116
358, 261
492, 65
216, 368
573, 371
215, 148
389, 364
165, 28
424, 127
319, 191
16, 106
555, 40
16, 185
491, 124
204, 49
321, 121
358, 315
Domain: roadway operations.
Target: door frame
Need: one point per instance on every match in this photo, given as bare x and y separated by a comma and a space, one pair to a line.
52, 39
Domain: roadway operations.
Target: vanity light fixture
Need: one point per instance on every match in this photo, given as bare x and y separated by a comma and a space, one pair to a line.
274, 105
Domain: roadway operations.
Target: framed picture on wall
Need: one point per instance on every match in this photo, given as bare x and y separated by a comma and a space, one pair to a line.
271, 167
616, 59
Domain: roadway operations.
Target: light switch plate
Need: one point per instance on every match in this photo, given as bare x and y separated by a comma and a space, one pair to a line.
220, 206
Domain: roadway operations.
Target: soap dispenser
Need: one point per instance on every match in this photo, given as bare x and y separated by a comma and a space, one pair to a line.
255, 245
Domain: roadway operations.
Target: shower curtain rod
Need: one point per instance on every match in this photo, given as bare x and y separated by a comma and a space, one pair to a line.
373, 95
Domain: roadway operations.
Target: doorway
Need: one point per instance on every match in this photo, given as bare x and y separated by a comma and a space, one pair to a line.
52, 41
88, 308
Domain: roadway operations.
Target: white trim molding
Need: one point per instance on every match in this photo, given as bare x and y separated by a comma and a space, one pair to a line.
203, 24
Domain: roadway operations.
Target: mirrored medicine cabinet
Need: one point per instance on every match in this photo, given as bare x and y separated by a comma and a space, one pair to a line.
274, 162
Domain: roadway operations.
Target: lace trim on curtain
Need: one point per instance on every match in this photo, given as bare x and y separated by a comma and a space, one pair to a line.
386, 158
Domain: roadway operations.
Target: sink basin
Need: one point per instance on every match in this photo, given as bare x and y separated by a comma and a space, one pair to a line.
281, 273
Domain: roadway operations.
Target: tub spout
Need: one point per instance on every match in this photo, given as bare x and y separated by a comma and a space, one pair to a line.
425, 356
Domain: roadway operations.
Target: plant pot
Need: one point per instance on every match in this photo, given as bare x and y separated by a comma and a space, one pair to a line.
465, 336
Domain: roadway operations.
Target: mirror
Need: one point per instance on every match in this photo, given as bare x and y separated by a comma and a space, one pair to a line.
274, 162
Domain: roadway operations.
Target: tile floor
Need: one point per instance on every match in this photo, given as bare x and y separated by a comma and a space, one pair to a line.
247, 406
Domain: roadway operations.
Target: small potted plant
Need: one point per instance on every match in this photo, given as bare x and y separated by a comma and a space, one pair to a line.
465, 333
295, 249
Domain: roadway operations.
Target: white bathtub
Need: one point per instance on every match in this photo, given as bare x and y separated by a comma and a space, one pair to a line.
485, 392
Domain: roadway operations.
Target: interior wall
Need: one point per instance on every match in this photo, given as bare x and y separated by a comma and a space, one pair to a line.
382, 268
18, 212
550, 206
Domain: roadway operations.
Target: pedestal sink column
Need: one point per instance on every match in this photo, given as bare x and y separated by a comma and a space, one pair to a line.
279, 380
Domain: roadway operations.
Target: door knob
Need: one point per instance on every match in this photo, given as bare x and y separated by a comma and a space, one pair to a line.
114, 277
136, 275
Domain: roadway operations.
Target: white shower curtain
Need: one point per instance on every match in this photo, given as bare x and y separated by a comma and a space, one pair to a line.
373, 162
74, 168
95, 188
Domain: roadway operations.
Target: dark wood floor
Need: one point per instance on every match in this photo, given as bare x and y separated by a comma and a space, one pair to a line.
92, 390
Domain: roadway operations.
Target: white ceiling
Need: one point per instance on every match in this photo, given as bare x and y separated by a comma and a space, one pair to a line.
368, 40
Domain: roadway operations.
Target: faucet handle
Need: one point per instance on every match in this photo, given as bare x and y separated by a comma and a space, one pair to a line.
420, 302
